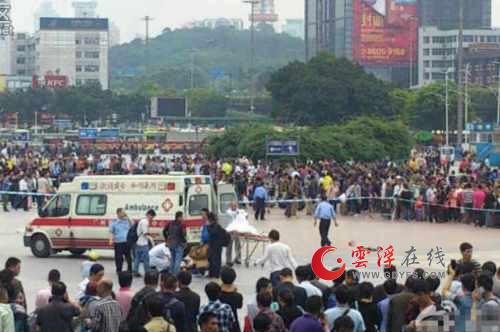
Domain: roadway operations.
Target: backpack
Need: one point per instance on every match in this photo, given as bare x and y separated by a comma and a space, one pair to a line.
138, 314
168, 310
132, 236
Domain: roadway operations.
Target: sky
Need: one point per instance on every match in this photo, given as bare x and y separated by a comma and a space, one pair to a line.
166, 13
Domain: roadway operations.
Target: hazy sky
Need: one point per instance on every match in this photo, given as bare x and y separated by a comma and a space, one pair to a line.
167, 13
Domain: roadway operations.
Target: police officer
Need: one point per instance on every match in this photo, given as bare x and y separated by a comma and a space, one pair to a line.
325, 213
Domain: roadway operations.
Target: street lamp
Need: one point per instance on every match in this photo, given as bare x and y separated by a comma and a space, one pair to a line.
447, 109
410, 19
252, 4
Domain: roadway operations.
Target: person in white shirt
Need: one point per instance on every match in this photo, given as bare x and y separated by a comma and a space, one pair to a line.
233, 212
279, 256
142, 245
160, 256
303, 275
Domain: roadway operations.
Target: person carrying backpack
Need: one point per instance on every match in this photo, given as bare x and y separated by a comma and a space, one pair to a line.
174, 310
138, 315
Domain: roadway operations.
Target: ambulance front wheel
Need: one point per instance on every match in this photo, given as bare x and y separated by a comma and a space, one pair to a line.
40, 246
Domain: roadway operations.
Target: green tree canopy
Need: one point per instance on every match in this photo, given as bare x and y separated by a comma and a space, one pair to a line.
327, 90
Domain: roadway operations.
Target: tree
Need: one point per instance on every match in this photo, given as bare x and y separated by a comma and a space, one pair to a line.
327, 90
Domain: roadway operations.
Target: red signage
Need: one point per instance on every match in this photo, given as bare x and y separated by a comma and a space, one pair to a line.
50, 81
385, 31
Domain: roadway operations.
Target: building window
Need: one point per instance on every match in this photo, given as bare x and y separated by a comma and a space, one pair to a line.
426, 40
78, 41
481, 39
438, 40
426, 51
21, 72
426, 76
426, 63
78, 68
438, 76
92, 81
21, 48
92, 55
438, 51
91, 68
468, 39
91, 40
79, 82
21, 61
491, 39
78, 54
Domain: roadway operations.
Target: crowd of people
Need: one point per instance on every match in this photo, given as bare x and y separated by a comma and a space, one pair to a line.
293, 299
424, 188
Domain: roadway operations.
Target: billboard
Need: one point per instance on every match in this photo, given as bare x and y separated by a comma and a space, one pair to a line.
60, 23
5, 21
385, 32
167, 106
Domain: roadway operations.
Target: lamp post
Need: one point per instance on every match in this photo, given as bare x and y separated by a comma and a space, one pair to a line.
447, 108
252, 4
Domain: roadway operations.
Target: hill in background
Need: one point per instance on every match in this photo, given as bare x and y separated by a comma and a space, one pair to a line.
219, 58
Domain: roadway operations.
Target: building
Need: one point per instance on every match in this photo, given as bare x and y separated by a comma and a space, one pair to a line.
482, 63
23, 55
294, 27
438, 49
213, 23
85, 8
76, 48
444, 14
265, 12
380, 35
5, 38
45, 9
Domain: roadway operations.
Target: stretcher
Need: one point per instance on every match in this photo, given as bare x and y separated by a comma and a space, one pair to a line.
251, 242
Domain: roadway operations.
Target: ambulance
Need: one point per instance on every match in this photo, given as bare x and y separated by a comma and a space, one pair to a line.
77, 218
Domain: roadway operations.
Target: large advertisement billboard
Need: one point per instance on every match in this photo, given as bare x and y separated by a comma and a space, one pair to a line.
385, 31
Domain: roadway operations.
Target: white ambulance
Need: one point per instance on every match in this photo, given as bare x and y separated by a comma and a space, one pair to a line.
78, 217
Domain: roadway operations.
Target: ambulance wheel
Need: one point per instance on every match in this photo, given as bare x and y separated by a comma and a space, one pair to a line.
40, 246
77, 252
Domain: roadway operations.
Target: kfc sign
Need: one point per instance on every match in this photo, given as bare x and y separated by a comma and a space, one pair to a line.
50, 81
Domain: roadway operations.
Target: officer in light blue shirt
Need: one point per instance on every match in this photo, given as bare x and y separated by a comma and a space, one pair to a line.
260, 198
325, 213
118, 229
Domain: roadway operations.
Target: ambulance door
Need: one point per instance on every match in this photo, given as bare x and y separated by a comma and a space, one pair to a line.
54, 223
225, 195
89, 225
199, 197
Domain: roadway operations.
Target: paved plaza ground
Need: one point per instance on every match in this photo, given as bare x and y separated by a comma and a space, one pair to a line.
299, 233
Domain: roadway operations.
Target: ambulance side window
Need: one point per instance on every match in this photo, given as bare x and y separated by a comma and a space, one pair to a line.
197, 203
58, 206
225, 201
91, 205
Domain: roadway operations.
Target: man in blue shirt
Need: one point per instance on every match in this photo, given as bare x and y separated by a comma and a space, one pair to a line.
325, 213
119, 228
260, 198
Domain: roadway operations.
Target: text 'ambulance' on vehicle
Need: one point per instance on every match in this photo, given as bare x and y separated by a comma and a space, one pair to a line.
78, 217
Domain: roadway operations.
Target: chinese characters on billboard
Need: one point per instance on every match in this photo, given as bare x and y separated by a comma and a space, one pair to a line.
385, 32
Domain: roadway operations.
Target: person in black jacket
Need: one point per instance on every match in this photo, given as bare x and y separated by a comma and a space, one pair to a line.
190, 299
286, 282
288, 308
175, 310
176, 233
59, 313
217, 240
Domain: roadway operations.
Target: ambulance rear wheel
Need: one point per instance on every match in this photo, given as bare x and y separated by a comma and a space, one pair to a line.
77, 252
40, 246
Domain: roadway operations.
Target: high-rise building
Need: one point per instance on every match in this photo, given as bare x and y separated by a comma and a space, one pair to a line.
76, 48
85, 8
438, 50
380, 35
5, 38
482, 61
23, 55
444, 14
294, 27
45, 9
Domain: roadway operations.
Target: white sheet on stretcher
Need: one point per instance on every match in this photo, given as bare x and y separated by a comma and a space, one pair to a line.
241, 225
